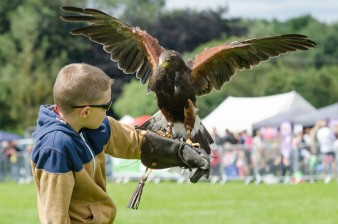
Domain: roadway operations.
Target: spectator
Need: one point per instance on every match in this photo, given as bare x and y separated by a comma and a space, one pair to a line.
313, 133
229, 161
281, 165
246, 141
229, 137
11, 153
257, 154
215, 136
215, 163
335, 148
310, 141
313, 161
241, 164
27, 155
307, 137
301, 154
286, 141
326, 138
2, 161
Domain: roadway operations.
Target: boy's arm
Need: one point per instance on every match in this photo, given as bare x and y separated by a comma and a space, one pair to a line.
55, 194
156, 152
125, 142
54, 190
159, 152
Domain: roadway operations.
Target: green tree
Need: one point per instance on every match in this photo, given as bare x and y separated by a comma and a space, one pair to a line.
135, 101
142, 14
6, 6
32, 50
35, 44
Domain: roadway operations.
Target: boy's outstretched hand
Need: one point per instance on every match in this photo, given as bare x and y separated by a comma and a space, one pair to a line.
159, 152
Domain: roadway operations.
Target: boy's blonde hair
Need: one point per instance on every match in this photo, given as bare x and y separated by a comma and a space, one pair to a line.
78, 84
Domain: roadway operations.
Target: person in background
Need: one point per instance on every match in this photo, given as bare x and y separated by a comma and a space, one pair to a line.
229, 160
229, 137
257, 154
3, 161
326, 138
11, 153
215, 136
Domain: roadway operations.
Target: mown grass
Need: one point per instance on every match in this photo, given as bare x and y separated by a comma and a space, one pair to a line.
200, 203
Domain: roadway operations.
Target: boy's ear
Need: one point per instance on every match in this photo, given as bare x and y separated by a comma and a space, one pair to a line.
84, 112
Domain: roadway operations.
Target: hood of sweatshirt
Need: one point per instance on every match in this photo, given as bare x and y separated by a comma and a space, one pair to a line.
49, 121
59, 148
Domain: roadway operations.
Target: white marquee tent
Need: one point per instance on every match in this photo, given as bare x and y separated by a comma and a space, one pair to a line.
323, 113
239, 113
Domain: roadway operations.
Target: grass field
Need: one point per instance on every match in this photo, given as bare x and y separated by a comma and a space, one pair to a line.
200, 203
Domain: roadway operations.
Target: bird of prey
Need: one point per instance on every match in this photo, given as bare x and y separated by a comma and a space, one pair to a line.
175, 82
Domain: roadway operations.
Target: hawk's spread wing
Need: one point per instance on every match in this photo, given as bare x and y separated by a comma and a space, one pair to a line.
215, 66
133, 49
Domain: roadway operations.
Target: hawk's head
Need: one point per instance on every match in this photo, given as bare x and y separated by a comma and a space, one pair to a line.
170, 60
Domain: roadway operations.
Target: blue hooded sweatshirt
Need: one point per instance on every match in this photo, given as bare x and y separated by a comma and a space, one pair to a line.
69, 167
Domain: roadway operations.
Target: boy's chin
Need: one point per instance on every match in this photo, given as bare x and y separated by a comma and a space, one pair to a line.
93, 127
96, 127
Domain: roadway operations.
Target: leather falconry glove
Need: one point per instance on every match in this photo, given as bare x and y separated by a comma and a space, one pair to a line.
159, 152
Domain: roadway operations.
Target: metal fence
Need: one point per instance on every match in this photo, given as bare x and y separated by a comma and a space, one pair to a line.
16, 167
268, 164
229, 162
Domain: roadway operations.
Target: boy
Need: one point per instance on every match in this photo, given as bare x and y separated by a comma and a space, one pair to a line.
72, 138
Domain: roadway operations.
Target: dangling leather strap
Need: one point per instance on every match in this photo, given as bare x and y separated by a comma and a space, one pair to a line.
136, 197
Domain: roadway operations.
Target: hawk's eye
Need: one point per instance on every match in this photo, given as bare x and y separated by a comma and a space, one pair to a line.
168, 59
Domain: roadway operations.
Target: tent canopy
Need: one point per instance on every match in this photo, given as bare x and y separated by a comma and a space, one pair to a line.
127, 119
275, 121
239, 113
5, 136
323, 113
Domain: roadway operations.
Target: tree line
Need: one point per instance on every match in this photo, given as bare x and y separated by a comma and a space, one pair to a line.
35, 44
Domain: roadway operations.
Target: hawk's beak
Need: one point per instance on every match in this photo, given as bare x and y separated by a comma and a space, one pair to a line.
164, 64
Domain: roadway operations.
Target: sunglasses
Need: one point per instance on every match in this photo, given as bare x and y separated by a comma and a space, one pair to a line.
104, 106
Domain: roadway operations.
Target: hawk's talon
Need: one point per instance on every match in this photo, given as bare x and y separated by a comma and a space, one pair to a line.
161, 133
195, 145
192, 144
165, 134
169, 135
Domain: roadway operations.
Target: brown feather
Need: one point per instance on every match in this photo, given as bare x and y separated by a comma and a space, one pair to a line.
129, 58
144, 72
137, 61
229, 57
118, 38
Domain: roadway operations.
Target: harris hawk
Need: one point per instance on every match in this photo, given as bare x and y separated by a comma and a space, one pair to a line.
175, 82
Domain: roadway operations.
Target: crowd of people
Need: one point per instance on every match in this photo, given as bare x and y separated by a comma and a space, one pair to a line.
308, 151
281, 152
15, 161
